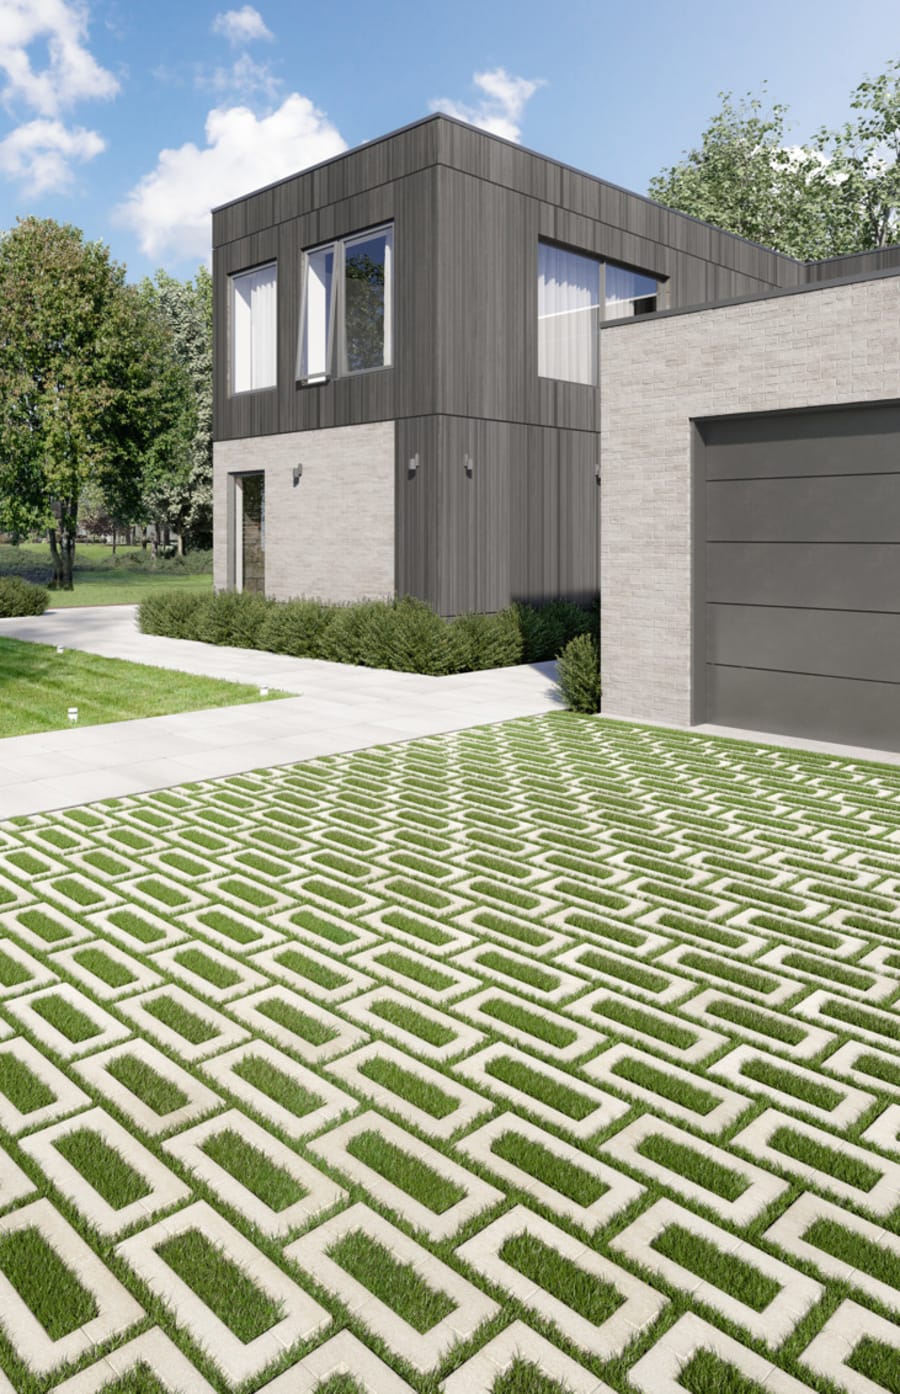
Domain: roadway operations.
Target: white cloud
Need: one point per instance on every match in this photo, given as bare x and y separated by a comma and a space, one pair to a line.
71, 74
245, 79
41, 153
168, 209
241, 26
501, 105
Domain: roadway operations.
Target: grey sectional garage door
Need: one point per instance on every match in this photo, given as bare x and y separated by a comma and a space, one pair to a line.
799, 575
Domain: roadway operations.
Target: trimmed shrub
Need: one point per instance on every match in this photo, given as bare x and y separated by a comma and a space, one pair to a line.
418, 640
20, 597
578, 674
546, 629
234, 618
295, 627
170, 613
358, 634
487, 641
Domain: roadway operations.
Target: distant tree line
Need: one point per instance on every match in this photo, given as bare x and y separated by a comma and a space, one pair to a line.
105, 395
838, 193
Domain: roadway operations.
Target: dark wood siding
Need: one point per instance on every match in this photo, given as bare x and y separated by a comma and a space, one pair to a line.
799, 573
857, 264
522, 524
468, 210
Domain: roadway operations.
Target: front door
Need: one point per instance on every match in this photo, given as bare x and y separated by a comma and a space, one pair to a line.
252, 533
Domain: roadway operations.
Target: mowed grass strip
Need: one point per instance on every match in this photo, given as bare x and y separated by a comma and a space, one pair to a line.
829, 1160
298, 1022
59, 1301
277, 1086
513, 1014
103, 1167
265, 1179
820, 1095
109, 970
394, 961
583, 1291
667, 1086
561, 1174
229, 1292
38, 685
707, 1373
732, 1275
523, 1377
146, 1084
409, 1086
693, 1165
21, 1086
876, 1361
552, 1092
433, 1033
170, 1012
396, 1284
72, 1023
855, 1249
412, 1175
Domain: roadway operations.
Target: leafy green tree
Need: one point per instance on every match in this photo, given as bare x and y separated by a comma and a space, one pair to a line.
838, 194
184, 500
85, 383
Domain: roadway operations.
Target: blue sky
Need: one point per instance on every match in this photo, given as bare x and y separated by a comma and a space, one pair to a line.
130, 119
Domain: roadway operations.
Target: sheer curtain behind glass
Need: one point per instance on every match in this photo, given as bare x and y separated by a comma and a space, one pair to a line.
254, 341
568, 312
628, 293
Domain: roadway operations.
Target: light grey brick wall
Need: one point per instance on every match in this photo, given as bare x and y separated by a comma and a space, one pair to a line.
331, 535
828, 346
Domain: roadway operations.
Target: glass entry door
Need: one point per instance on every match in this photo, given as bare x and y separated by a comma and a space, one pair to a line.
251, 534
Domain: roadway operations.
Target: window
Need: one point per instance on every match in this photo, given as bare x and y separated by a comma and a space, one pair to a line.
254, 344
345, 317
628, 293
575, 293
568, 314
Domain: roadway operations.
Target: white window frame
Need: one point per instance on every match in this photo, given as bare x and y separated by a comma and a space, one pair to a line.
234, 278
335, 357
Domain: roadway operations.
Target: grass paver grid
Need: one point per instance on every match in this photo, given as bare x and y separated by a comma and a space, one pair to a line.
540, 880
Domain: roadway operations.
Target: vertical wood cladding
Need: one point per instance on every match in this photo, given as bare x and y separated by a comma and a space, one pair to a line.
522, 523
467, 210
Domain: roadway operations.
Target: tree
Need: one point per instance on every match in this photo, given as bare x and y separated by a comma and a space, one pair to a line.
184, 502
83, 383
839, 194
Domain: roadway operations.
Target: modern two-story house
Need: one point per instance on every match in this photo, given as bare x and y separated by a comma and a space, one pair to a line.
438, 354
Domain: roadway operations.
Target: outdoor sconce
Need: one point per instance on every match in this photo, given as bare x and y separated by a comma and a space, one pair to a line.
468, 464
597, 471
413, 466
298, 471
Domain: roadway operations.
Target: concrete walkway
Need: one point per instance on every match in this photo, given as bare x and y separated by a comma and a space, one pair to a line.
337, 708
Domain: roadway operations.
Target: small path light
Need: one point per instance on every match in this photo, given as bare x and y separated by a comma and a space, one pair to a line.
73, 713
263, 692
60, 649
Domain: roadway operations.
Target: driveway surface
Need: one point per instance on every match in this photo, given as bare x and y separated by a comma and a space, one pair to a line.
336, 708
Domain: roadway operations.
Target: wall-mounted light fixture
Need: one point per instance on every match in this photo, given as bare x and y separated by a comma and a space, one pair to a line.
413, 465
597, 471
468, 464
297, 473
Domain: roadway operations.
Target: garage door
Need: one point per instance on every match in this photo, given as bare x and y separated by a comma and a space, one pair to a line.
798, 580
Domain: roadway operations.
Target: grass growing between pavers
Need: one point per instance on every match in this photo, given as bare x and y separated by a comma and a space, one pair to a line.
548, 851
45, 1283
39, 685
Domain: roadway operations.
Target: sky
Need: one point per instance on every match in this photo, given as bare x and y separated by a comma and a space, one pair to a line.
132, 120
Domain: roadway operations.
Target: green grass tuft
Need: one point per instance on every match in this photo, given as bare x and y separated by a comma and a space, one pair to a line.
152, 1088
229, 1292
265, 1179
584, 1292
419, 1180
103, 1167
725, 1271
59, 1301
396, 1284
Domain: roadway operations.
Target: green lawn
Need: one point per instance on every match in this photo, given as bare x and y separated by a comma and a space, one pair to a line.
574, 959
38, 685
124, 587
100, 577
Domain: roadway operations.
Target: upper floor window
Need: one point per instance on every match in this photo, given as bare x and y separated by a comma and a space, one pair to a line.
346, 310
254, 343
576, 292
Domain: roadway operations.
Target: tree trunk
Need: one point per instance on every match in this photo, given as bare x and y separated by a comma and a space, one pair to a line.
56, 583
68, 559
114, 541
179, 543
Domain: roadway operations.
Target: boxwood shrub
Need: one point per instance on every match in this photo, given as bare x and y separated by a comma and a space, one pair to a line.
578, 674
20, 597
405, 634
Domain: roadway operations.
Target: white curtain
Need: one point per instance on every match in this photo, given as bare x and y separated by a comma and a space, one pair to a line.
625, 290
264, 319
568, 312
315, 350
254, 340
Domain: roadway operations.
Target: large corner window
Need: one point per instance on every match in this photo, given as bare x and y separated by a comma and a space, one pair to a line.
575, 294
254, 343
346, 310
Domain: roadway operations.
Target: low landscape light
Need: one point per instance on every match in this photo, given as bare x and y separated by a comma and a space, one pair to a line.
263, 692
60, 649
73, 713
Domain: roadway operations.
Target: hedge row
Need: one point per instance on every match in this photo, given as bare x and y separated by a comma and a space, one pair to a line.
405, 635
